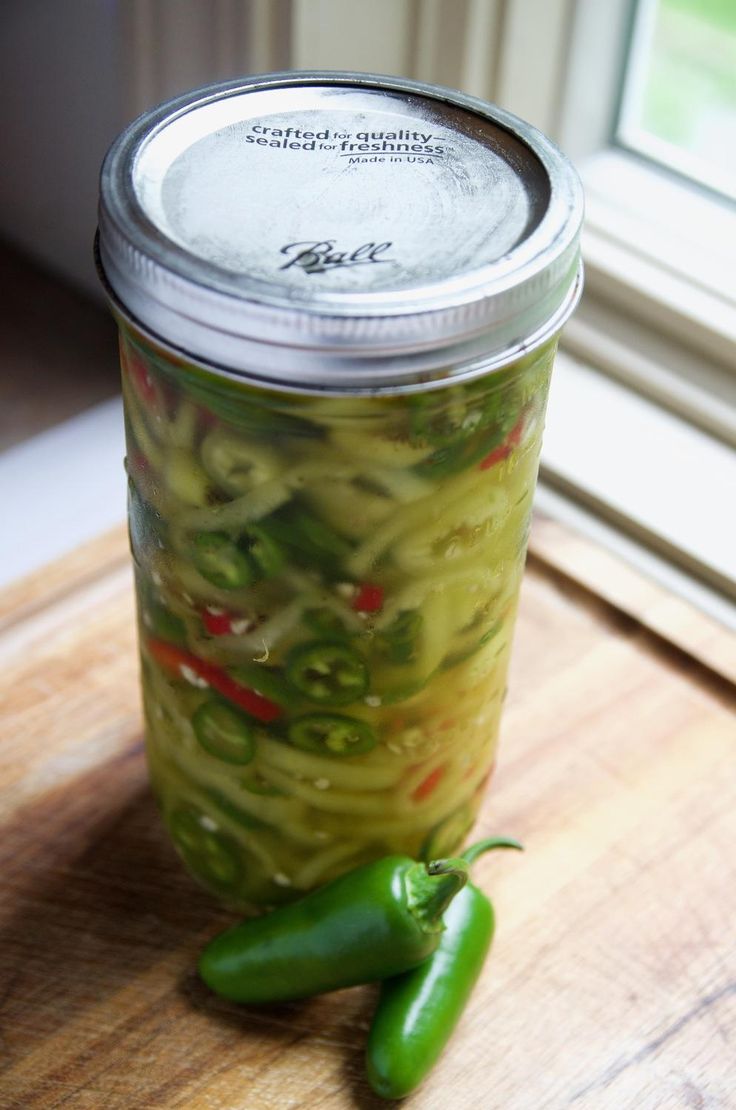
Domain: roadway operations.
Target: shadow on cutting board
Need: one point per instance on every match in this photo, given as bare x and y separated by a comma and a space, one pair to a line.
100, 928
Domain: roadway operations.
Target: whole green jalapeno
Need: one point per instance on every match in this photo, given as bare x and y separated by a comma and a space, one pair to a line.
418, 1010
376, 921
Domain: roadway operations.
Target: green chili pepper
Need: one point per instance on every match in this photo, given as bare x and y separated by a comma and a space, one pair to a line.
233, 563
209, 853
332, 734
234, 812
328, 673
309, 539
259, 414
265, 680
465, 429
398, 642
218, 558
323, 622
256, 784
223, 732
263, 550
376, 921
163, 624
417, 1011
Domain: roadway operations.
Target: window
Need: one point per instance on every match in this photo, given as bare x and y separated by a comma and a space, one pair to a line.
646, 87
647, 83
679, 95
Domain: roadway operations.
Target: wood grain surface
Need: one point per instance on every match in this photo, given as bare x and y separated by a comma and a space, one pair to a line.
612, 982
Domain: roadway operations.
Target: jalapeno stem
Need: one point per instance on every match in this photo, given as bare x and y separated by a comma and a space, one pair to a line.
470, 855
432, 886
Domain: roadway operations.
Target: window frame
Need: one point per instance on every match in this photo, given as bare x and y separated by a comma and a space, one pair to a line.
658, 249
657, 317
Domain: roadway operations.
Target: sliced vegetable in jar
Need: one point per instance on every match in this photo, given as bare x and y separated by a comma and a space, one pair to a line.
218, 558
235, 464
270, 682
368, 599
325, 623
327, 673
308, 606
223, 732
210, 854
332, 734
187, 667
398, 642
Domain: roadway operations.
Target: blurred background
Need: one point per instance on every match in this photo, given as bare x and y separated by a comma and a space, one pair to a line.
640, 93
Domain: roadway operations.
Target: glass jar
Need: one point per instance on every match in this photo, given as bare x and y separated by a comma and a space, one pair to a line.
331, 461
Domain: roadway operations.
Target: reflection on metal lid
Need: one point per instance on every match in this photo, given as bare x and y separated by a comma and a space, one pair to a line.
339, 230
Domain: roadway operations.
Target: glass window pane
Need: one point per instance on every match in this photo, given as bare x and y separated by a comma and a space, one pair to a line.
679, 97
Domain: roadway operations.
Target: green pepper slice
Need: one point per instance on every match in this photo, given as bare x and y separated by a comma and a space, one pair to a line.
211, 855
398, 642
270, 682
309, 539
465, 431
223, 732
218, 558
332, 734
328, 673
234, 812
256, 784
325, 623
163, 624
233, 563
263, 550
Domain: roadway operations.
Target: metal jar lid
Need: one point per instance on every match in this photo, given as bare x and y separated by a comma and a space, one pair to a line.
323, 230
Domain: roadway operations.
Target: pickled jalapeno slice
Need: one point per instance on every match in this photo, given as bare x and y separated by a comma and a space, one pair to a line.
264, 551
218, 558
232, 563
210, 854
398, 642
327, 673
223, 732
324, 622
310, 540
270, 682
464, 432
332, 734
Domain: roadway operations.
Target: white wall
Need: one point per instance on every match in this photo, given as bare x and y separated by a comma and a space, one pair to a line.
61, 103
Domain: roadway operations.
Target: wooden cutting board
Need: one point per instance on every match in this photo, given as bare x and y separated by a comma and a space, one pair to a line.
612, 983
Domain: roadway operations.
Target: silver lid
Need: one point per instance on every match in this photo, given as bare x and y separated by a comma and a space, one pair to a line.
340, 230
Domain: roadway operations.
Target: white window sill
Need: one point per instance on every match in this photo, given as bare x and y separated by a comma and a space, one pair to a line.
61, 488
644, 482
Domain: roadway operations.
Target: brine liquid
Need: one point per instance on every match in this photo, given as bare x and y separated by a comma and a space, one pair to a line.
327, 589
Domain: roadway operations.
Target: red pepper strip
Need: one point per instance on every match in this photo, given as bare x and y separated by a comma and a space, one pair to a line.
137, 461
173, 659
427, 786
369, 599
142, 380
217, 624
498, 454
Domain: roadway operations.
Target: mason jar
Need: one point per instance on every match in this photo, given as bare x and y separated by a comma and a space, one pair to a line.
339, 298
